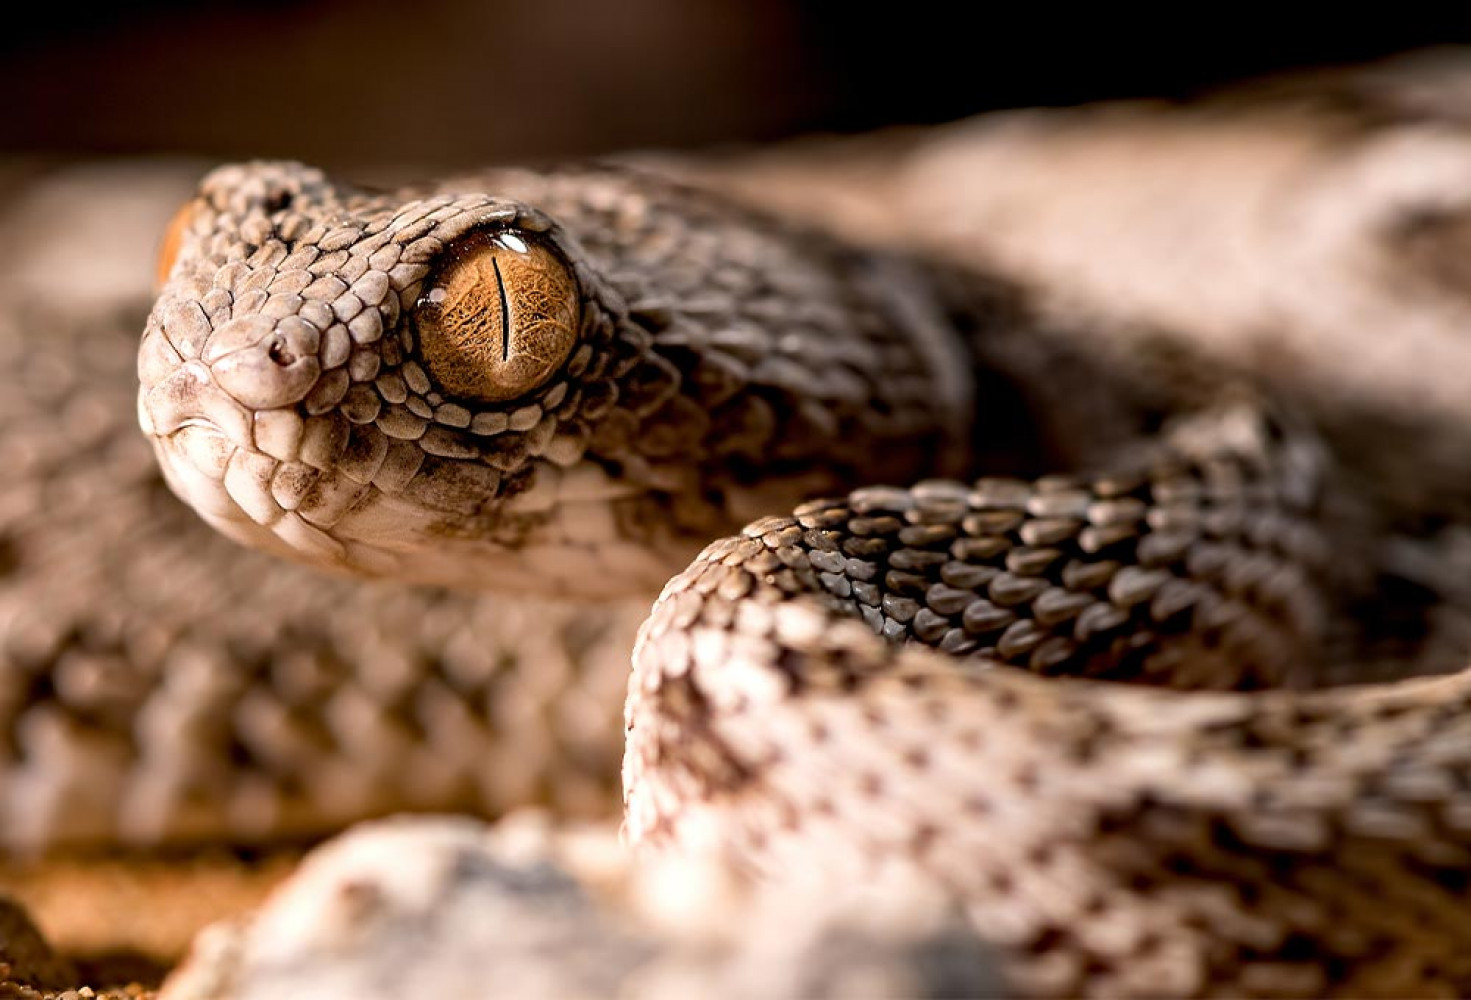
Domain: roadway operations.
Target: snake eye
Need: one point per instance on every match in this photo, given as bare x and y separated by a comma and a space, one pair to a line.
168, 250
498, 319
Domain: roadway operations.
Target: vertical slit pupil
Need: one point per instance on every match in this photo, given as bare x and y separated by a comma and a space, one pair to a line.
500, 284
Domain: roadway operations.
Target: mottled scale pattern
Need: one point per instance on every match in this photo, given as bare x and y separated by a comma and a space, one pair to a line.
1188, 575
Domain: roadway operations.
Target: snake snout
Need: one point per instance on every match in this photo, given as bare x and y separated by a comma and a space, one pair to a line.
265, 363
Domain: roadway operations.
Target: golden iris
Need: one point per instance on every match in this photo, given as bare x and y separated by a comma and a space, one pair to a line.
498, 319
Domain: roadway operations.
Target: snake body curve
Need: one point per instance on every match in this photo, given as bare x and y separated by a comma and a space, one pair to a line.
866, 682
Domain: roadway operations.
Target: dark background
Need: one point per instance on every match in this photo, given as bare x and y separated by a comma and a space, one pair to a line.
461, 81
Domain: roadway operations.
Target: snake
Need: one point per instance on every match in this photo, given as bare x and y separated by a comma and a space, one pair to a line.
1094, 632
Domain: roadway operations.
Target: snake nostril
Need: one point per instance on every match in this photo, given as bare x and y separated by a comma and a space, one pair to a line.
279, 353
264, 362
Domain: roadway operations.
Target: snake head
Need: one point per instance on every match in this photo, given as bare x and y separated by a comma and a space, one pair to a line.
563, 386
402, 385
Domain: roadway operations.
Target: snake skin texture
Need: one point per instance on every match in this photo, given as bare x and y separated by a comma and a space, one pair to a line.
991, 679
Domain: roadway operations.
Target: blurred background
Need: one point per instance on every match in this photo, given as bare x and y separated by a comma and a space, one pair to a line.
456, 82
109, 111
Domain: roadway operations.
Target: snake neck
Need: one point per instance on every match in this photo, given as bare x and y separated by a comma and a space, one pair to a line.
802, 365
793, 363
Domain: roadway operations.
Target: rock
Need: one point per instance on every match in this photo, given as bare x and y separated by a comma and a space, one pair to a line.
431, 907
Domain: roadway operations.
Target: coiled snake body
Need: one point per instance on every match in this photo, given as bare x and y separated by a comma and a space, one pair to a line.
1087, 670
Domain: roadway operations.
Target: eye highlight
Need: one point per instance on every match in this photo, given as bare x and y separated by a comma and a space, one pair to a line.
498, 319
